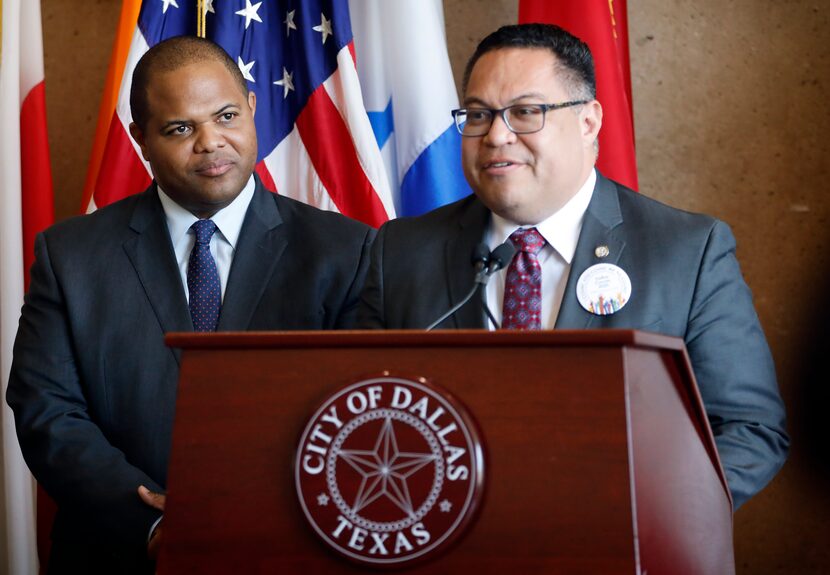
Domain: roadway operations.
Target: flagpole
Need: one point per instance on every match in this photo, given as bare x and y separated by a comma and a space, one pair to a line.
200, 18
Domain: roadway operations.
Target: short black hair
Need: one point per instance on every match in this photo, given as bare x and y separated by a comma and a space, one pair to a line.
573, 57
172, 54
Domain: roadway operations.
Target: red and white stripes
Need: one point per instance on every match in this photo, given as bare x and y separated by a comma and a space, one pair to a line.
25, 208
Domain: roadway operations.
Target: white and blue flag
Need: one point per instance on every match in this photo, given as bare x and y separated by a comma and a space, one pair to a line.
409, 92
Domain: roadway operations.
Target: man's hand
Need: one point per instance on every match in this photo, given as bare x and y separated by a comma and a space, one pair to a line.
156, 501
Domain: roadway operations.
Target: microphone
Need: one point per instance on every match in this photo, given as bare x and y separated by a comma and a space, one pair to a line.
480, 259
500, 257
486, 263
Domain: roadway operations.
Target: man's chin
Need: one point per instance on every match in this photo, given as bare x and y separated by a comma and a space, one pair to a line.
513, 211
500, 199
223, 186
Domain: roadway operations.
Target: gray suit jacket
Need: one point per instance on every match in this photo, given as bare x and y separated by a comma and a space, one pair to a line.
685, 283
93, 386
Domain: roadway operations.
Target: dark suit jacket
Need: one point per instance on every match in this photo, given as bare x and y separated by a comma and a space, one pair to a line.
92, 384
685, 283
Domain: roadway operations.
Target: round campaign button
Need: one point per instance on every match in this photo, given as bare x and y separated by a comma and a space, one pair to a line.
603, 289
389, 471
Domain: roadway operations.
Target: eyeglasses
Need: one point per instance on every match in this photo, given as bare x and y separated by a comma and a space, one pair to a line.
519, 119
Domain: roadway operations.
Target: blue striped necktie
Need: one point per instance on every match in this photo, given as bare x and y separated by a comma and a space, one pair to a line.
203, 280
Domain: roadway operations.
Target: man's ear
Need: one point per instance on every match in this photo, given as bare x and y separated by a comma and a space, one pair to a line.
252, 103
138, 136
591, 121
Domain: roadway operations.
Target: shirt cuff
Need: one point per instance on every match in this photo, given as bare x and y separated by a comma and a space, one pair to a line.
153, 527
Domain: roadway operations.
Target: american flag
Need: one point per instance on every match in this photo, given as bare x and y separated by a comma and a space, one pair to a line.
315, 140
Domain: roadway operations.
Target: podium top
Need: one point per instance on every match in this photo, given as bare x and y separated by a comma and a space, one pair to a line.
421, 338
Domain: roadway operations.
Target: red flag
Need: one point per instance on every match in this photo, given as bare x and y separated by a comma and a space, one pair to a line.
603, 25
25, 209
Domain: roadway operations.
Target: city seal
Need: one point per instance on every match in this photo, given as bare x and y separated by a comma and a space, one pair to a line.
390, 471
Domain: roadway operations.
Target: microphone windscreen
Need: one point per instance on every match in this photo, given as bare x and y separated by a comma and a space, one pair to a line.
481, 254
501, 256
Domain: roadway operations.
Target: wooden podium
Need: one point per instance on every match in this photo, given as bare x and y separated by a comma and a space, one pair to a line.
598, 454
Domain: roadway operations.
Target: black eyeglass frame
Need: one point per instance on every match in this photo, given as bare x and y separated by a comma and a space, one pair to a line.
545, 108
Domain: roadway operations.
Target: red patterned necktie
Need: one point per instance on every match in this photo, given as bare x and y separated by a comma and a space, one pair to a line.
522, 307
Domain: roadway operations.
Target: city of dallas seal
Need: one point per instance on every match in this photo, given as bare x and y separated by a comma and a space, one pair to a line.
390, 470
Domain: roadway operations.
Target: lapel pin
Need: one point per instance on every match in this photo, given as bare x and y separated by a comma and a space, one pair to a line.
602, 252
603, 289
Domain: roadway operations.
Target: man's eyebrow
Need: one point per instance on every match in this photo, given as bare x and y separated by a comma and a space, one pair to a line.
473, 101
226, 107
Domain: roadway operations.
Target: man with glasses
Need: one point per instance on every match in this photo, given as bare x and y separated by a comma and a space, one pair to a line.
589, 252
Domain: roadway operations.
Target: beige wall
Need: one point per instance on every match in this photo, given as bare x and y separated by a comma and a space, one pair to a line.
731, 118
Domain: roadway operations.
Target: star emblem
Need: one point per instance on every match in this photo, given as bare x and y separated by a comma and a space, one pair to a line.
445, 506
167, 4
246, 68
324, 27
250, 13
322, 500
289, 23
287, 82
208, 7
385, 470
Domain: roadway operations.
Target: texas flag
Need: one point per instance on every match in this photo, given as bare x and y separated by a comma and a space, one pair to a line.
409, 92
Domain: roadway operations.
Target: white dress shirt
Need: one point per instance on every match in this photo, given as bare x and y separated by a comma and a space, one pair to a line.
228, 222
561, 231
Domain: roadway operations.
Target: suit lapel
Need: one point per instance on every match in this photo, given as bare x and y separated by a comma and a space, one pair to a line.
262, 241
599, 228
459, 265
151, 254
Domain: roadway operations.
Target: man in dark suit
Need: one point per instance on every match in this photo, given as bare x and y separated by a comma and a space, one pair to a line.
530, 127
92, 385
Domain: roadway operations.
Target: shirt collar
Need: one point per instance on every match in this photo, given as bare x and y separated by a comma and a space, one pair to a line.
228, 220
560, 230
